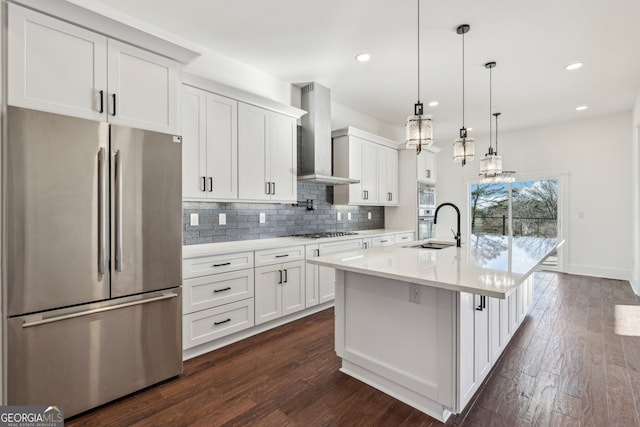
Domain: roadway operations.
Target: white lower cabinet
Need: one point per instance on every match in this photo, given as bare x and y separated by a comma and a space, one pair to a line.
279, 290
485, 327
321, 281
474, 345
207, 325
217, 298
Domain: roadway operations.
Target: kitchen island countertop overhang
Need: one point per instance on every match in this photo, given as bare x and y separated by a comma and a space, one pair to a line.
487, 265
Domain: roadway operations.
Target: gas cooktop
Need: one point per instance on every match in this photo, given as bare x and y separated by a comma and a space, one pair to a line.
324, 234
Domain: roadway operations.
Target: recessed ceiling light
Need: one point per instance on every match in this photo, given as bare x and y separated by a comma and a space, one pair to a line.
363, 57
573, 66
433, 104
581, 108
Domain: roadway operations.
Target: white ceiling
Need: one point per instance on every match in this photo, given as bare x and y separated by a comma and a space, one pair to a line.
532, 41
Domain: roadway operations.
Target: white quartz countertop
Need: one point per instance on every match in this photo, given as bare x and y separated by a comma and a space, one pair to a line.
487, 265
209, 249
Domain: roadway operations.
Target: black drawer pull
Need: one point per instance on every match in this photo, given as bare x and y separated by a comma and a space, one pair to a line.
228, 288
383, 241
221, 265
282, 256
221, 322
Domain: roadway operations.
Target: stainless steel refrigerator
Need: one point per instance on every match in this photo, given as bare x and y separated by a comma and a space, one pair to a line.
93, 260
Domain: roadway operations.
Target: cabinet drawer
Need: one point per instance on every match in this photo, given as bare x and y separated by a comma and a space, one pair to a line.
278, 256
214, 323
203, 266
217, 289
340, 246
402, 238
382, 241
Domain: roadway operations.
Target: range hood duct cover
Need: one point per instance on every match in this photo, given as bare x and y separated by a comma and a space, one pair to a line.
316, 147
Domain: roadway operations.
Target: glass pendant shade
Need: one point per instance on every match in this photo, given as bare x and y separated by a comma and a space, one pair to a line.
491, 164
464, 150
419, 131
497, 178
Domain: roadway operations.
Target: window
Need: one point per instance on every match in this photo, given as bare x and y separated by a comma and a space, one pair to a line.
521, 209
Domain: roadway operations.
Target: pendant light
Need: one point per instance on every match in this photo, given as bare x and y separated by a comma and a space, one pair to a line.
491, 164
463, 147
502, 176
419, 127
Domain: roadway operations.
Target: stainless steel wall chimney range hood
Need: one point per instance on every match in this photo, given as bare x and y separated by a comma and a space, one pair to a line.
316, 146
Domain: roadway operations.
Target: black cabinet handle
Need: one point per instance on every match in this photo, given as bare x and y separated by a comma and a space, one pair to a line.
221, 265
282, 256
113, 97
483, 303
221, 322
273, 188
210, 184
383, 241
317, 252
101, 101
280, 280
286, 278
222, 290
202, 183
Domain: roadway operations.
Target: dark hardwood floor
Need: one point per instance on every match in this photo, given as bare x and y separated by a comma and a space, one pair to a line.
574, 361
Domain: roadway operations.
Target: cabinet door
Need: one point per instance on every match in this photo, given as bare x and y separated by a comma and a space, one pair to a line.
482, 330
54, 66
293, 287
392, 176
384, 194
467, 375
311, 277
387, 176
194, 143
222, 147
283, 152
370, 173
426, 167
327, 284
268, 293
253, 128
142, 88
356, 153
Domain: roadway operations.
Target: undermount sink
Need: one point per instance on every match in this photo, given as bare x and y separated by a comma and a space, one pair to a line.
433, 245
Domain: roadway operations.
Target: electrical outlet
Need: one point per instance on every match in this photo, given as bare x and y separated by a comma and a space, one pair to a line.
263, 218
222, 219
349, 216
368, 215
193, 219
339, 216
415, 293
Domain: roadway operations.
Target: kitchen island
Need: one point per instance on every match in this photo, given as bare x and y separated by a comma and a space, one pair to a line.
426, 325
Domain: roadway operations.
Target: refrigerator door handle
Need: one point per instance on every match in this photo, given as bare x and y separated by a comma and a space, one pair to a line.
102, 209
118, 172
98, 310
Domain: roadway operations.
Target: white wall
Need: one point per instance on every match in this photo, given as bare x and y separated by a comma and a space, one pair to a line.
595, 153
635, 196
342, 116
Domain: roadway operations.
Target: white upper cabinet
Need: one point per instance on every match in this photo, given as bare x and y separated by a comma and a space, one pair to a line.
55, 66
388, 176
267, 162
426, 167
142, 88
209, 146
61, 68
369, 158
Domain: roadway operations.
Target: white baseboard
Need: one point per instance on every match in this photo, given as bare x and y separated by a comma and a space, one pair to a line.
255, 330
599, 271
